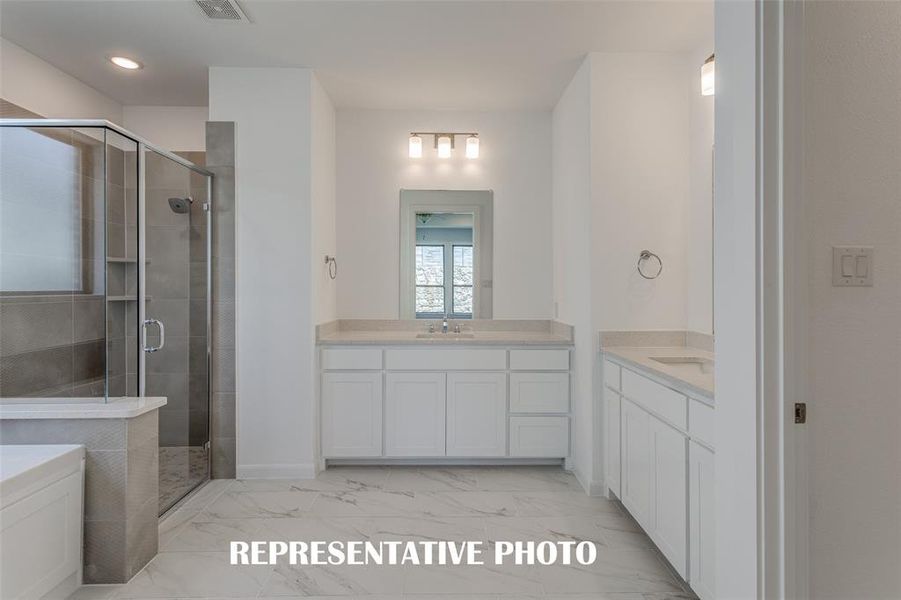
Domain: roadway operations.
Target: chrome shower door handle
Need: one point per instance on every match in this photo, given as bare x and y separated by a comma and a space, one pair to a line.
162, 328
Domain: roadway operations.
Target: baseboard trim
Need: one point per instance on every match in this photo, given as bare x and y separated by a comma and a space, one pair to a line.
597, 488
591, 487
296, 471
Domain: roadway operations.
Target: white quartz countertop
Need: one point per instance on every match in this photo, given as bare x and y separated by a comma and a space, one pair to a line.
478, 332
695, 384
478, 338
78, 408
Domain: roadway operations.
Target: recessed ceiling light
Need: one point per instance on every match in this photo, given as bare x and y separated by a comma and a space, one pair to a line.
125, 62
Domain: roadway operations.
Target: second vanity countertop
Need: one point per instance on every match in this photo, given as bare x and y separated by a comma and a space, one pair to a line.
691, 380
480, 332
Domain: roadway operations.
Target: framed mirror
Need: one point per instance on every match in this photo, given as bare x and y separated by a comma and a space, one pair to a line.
446, 254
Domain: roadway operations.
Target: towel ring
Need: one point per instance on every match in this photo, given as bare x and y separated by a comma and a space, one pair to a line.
332, 263
647, 255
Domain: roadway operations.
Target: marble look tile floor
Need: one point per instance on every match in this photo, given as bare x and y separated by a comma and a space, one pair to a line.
400, 503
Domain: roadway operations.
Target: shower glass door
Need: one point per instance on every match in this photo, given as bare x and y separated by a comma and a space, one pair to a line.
176, 332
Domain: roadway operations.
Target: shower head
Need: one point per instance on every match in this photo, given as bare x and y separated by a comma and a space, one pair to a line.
181, 205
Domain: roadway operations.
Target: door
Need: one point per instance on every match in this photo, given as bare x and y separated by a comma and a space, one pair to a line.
173, 295
702, 532
669, 493
351, 414
613, 402
415, 411
476, 414
636, 463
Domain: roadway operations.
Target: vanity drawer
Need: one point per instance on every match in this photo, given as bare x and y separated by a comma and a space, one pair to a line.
701, 421
539, 437
666, 403
612, 375
539, 392
445, 359
539, 360
351, 359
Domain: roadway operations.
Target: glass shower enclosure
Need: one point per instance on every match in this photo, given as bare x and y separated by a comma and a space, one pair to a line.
105, 280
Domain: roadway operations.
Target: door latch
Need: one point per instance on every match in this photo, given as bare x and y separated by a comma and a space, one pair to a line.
800, 412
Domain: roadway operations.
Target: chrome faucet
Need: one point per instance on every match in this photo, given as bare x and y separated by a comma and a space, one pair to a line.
444, 324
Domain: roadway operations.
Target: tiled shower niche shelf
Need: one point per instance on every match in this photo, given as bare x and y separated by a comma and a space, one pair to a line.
116, 259
126, 298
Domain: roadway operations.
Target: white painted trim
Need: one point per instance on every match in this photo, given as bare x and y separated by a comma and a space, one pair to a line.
283, 471
796, 306
591, 486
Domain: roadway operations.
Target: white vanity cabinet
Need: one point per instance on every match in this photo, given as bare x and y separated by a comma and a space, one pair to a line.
476, 414
445, 402
669, 493
660, 465
352, 414
702, 533
415, 405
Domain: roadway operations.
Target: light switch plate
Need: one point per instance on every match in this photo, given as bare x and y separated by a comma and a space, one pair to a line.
852, 266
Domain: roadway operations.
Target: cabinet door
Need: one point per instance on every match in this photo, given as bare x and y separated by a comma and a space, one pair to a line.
612, 402
415, 414
702, 532
476, 414
539, 437
351, 414
669, 493
636, 463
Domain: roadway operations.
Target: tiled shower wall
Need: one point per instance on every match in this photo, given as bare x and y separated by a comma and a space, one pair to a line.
220, 159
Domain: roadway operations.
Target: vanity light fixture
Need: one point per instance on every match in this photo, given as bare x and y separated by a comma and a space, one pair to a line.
415, 146
444, 143
472, 146
708, 70
126, 63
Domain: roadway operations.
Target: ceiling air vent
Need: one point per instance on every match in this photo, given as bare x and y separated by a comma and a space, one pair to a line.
225, 10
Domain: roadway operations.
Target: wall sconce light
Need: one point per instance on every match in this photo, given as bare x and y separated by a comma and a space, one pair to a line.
444, 143
415, 146
472, 146
708, 81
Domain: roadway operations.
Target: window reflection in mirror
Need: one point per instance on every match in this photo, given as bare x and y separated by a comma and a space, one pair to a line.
444, 265
446, 254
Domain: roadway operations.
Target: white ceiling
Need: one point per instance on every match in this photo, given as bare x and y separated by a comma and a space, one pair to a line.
426, 54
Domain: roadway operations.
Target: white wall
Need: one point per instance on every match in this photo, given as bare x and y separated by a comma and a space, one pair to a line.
735, 297
852, 176
38, 86
274, 306
176, 128
373, 166
699, 218
571, 225
640, 124
322, 169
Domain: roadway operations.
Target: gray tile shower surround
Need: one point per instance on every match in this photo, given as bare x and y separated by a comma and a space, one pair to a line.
121, 487
401, 503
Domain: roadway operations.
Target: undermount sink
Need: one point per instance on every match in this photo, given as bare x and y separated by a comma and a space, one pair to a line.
693, 364
437, 335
